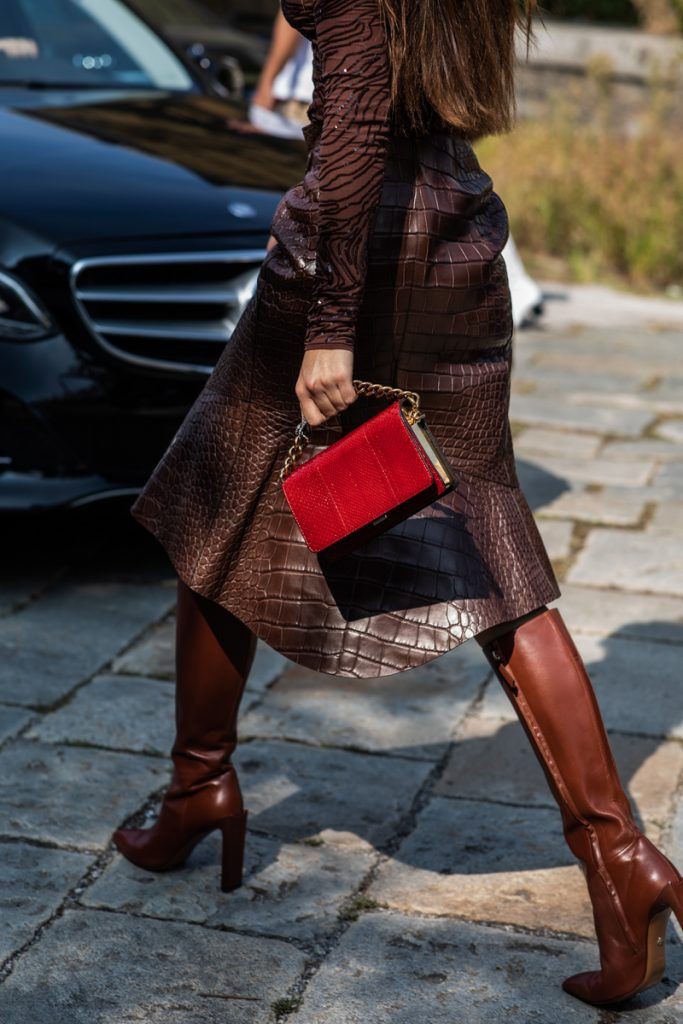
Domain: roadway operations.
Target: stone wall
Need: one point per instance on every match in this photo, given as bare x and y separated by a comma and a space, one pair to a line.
580, 60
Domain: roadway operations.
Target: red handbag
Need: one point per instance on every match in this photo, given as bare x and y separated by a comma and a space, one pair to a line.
372, 478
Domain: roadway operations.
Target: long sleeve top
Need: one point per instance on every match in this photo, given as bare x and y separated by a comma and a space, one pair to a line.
352, 89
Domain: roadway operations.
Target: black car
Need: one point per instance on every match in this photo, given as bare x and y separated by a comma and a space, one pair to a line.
230, 36
134, 213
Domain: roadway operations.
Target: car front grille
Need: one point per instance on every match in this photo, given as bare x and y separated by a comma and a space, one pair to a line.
171, 311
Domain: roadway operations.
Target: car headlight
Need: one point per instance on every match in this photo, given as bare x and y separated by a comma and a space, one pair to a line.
242, 288
22, 315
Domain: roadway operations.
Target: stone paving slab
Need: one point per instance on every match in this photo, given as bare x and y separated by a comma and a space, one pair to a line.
536, 411
605, 350
572, 359
540, 487
667, 398
672, 430
19, 585
153, 655
493, 760
405, 969
586, 306
268, 666
93, 967
567, 384
33, 883
643, 448
656, 494
667, 518
557, 442
557, 537
612, 506
605, 612
655, 401
487, 862
116, 713
638, 686
630, 560
596, 471
11, 721
71, 796
412, 714
294, 792
668, 483
42, 655
293, 890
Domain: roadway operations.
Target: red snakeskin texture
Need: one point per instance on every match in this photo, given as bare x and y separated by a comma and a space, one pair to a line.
411, 272
374, 468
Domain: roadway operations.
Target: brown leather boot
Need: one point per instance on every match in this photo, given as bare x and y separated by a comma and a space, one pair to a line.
633, 887
214, 652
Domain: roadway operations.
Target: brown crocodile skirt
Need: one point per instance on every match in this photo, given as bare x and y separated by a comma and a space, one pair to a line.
436, 319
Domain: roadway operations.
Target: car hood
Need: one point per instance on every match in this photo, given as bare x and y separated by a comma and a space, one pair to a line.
134, 165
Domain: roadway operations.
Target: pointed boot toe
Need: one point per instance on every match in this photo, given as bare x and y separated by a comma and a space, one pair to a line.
124, 839
120, 838
590, 987
133, 844
584, 986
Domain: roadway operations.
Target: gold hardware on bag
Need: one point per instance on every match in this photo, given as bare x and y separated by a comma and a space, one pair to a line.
363, 387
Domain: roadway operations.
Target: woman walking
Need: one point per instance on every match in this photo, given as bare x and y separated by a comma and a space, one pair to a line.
386, 266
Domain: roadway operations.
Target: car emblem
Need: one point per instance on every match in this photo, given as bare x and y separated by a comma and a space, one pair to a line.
241, 210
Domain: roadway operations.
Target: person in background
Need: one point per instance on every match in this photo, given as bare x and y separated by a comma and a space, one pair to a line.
279, 107
285, 88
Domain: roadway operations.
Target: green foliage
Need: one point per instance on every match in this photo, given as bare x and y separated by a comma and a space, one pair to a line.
352, 910
608, 205
286, 1005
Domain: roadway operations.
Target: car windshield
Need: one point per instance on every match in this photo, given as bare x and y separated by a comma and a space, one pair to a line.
97, 44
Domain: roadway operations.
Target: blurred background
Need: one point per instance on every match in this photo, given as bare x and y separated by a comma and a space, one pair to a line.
144, 147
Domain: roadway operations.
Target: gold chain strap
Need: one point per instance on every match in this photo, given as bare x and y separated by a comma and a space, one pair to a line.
363, 387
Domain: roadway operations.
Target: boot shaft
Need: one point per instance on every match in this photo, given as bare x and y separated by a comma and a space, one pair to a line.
547, 683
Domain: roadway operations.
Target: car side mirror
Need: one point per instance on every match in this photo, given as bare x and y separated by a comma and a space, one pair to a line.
224, 71
229, 74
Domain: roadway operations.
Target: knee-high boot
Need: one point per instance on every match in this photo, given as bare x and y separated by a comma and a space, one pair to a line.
633, 887
214, 652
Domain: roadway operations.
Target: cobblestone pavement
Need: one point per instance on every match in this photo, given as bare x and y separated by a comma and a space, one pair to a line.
404, 859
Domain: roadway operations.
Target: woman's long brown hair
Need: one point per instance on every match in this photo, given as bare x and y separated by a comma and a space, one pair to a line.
455, 58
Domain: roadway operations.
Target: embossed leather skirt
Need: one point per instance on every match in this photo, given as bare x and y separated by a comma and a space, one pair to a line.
435, 319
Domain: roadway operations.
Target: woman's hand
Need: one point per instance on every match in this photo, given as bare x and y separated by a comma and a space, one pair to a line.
325, 386
263, 95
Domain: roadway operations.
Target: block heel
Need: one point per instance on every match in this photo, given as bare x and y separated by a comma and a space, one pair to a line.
233, 832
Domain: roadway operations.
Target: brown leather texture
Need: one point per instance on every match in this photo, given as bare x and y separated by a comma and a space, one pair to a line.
214, 653
435, 318
628, 879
